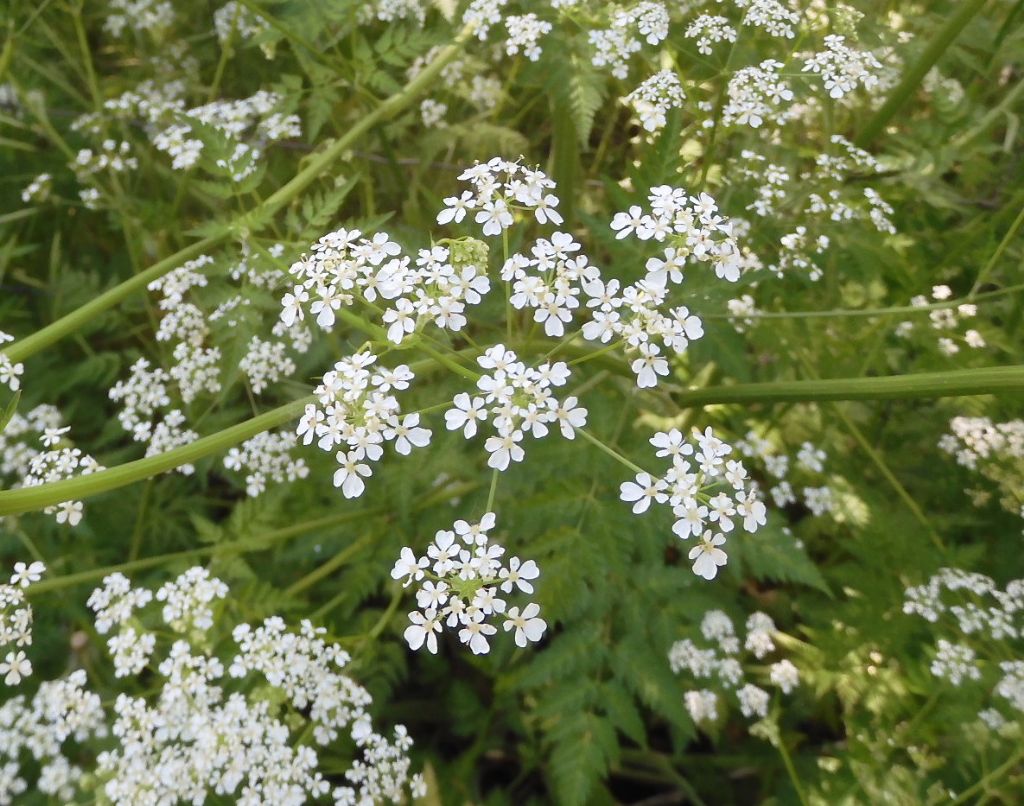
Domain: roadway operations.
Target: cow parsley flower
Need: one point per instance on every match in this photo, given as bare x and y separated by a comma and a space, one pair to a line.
16, 621
358, 410
842, 68
465, 577
706, 492
518, 400
652, 100
721, 672
10, 372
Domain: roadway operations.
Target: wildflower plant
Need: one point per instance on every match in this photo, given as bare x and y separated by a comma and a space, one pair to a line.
471, 351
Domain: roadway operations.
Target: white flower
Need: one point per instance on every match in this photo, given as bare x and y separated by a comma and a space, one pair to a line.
495, 217
504, 450
407, 433
643, 491
752, 510
25, 575
649, 366
528, 627
16, 666
517, 574
456, 207
424, 627
409, 566
348, 475
625, 223
475, 633
465, 415
707, 556
431, 595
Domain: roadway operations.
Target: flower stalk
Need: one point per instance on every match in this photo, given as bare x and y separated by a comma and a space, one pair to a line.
954, 383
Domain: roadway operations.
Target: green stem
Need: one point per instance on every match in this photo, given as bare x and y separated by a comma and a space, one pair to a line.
989, 120
1005, 242
845, 312
69, 323
913, 76
610, 451
26, 499
894, 482
1006, 766
333, 564
954, 383
258, 542
791, 771
317, 166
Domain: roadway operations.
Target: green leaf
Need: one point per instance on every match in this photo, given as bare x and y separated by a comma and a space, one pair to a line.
584, 747
8, 413
618, 705
774, 554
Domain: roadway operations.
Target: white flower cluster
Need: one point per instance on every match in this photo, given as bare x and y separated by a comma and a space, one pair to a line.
519, 400
113, 156
59, 711
265, 362
38, 190
693, 488
10, 373
690, 225
743, 311
257, 118
836, 200
652, 100
524, 33
16, 623
972, 605
212, 730
142, 395
266, 456
436, 288
433, 113
58, 464
18, 439
810, 464
755, 95
462, 78
153, 16
772, 16
630, 28
944, 320
550, 281
709, 30
357, 409
466, 577
954, 662
482, 14
234, 19
501, 187
723, 662
842, 68
996, 451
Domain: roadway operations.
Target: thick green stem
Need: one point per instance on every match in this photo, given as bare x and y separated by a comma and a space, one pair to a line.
955, 383
916, 72
27, 499
317, 166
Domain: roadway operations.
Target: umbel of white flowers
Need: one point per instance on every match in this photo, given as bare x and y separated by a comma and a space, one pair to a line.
462, 581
